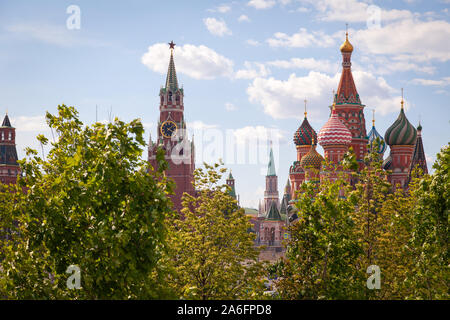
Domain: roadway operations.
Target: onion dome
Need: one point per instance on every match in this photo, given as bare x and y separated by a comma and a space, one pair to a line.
346, 46
401, 132
312, 159
304, 134
387, 163
334, 132
373, 136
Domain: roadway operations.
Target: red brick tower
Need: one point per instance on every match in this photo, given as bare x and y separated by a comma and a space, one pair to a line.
348, 104
271, 193
172, 136
9, 168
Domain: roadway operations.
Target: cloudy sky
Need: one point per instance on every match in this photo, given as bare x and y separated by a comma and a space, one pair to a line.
246, 68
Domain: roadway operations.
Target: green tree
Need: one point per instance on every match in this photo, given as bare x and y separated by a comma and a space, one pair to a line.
378, 215
212, 253
429, 276
93, 202
323, 247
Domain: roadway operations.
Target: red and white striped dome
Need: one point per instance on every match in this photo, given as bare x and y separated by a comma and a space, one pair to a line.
334, 132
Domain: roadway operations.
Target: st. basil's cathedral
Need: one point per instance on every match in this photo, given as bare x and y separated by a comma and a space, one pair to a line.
345, 128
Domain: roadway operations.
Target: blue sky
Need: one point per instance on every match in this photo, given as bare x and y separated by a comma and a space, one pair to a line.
246, 66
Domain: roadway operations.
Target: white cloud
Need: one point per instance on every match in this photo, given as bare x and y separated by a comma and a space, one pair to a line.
354, 11
261, 4
243, 18
306, 63
252, 42
301, 39
284, 98
443, 82
303, 9
230, 107
223, 8
217, 27
200, 125
408, 40
30, 124
252, 70
198, 62
383, 65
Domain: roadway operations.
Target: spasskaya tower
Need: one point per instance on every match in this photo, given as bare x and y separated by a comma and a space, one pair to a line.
172, 136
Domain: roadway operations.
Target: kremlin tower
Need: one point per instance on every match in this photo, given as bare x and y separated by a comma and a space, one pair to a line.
271, 192
401, 137
172, 136
9, 168
230, 183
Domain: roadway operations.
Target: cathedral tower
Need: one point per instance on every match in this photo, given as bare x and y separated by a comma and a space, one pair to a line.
9, 168
401, 137
419, 160
303, 138
172, 135
349, 108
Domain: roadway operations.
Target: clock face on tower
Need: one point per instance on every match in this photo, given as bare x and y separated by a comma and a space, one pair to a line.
168, 128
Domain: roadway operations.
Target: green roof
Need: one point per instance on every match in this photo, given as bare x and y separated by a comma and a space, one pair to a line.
273, 213
251, 211
271, 166
171, 80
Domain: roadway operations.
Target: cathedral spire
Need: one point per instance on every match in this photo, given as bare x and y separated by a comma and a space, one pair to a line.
171, 80
347, 92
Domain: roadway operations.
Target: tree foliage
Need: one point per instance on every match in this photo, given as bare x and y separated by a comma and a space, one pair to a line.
212, 253
93, 202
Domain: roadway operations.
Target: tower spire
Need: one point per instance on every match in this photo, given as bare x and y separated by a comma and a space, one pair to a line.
373, 117
171, 79
271, 166
402, 99
305, 107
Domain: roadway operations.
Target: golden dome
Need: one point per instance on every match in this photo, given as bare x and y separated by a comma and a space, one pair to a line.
346, 46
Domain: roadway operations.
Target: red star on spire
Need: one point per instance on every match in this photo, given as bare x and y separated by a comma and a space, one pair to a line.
172, 45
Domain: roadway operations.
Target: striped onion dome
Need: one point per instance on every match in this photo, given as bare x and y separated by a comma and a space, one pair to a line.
334, 132
372, 136
387, 163
402, 132
304, 134
312, 159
